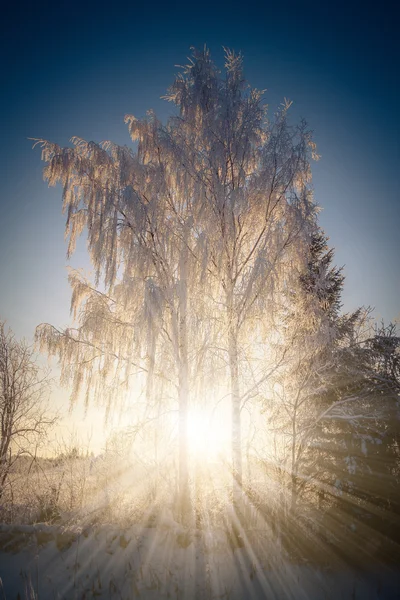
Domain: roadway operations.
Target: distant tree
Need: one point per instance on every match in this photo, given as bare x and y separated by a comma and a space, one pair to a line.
25, 418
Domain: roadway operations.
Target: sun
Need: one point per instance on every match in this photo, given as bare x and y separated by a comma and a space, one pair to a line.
208, 433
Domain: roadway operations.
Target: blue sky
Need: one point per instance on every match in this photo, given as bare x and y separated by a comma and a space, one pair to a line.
77, 69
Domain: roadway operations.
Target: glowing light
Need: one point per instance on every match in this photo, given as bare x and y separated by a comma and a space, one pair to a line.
208, 433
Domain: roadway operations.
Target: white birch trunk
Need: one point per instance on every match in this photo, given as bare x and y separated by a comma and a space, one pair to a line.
236, 441
184, 492
151, 352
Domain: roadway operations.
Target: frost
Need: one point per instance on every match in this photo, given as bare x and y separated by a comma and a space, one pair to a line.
213, 282
364, 447
217, 199
351, 464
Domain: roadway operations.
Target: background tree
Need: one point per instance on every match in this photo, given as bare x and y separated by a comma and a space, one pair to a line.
334, 410
361, 444
24, 414
296, 406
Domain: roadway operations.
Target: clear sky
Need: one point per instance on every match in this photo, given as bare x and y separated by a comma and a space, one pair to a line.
78, 68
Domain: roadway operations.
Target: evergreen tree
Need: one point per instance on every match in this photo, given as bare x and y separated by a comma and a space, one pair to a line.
304, 399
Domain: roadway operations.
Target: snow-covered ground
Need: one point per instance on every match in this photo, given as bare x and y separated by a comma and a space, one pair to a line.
167, 562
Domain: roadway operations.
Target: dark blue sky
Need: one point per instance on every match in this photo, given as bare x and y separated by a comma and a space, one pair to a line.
77, 69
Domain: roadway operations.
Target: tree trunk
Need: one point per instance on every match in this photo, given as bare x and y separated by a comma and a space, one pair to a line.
236, 441
293, 475
151, 352
184, 491
237, 470
293, 495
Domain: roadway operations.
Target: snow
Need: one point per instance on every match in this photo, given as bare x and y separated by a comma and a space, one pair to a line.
167, 562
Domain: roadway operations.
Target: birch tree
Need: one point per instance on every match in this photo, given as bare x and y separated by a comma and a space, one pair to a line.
252, 178
139, 222
195, 235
